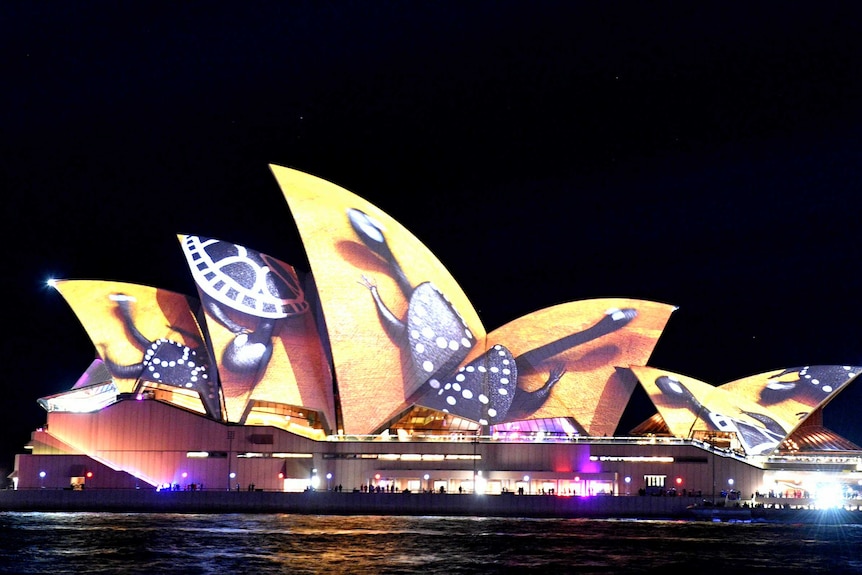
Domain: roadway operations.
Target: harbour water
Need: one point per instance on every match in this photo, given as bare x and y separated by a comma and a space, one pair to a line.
192, 544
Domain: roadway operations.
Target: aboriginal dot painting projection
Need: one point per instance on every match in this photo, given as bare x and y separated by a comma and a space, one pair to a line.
690, 407
264, 338
404, 333
148, 338
395, 315
791, 394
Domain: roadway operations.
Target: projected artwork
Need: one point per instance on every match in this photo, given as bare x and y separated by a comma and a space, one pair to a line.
418, 341
791, 394
586, 342
262, 344
263, 337
691, 407
147, 337
375, 376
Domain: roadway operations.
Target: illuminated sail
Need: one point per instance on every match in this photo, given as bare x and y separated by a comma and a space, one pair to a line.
693, 408
264, 340
790, 395
148, 338
357, 253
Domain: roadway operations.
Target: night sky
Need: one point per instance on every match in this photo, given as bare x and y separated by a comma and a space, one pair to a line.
701, 154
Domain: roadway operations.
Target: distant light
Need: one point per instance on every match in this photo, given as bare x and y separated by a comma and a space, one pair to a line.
232, 475
628, 479
730, 481
829, 496
51, 283
42, 474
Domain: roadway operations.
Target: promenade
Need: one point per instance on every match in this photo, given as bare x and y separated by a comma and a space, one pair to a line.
414, 504
341, 503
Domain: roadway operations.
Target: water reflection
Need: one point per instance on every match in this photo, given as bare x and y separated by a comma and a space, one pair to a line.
263, 544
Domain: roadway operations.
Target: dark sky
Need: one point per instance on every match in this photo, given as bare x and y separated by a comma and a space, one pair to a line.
701, 154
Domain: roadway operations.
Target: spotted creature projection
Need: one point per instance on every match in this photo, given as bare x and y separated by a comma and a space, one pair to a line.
755, 440
485, 390
165, 362
262, 289
809, 385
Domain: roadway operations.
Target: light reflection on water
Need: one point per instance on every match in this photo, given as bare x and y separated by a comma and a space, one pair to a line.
152, 544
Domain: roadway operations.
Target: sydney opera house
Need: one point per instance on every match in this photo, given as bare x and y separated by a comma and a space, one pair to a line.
372, 371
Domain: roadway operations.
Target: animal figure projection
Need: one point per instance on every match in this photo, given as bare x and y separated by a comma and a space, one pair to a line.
260, 288
165, 361
485, 390
755, 439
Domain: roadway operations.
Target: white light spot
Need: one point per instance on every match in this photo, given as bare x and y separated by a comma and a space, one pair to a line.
503, 391
454, 345
483, 398
419, 347
434, 383
451, 400
492, 412
467, 394
427, 333
460, 377
441, 342
504, 381
428, 366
